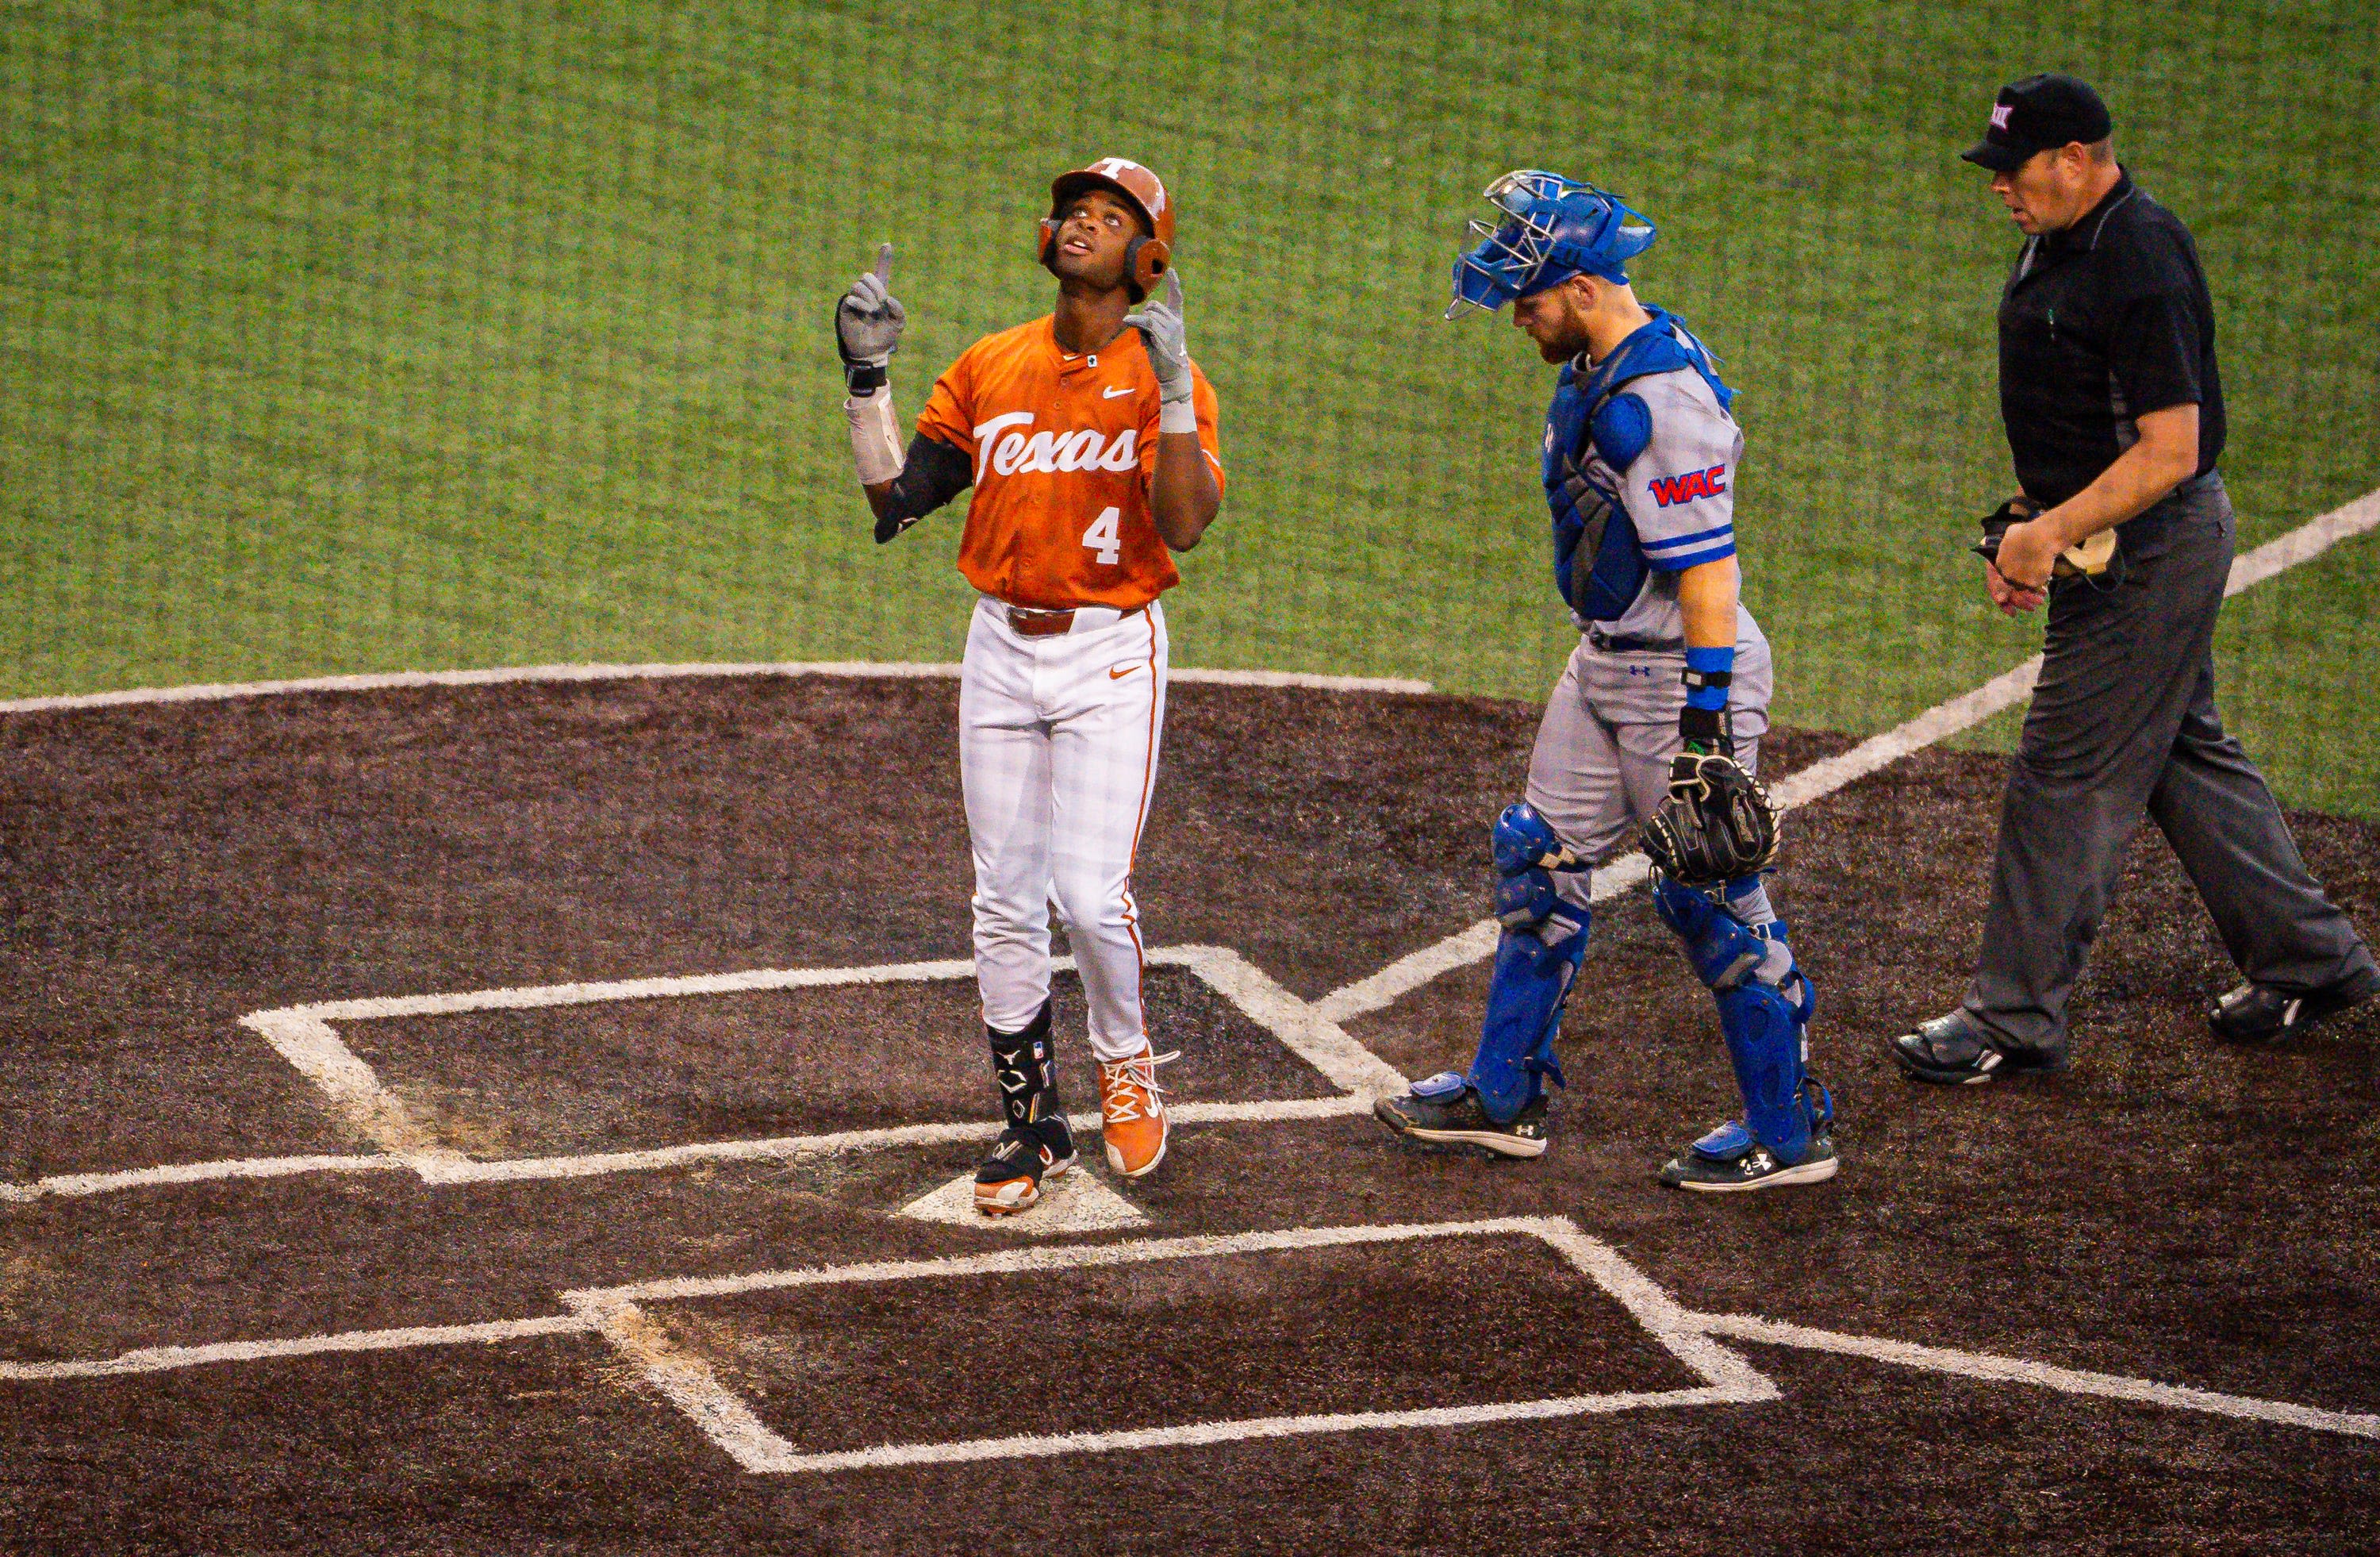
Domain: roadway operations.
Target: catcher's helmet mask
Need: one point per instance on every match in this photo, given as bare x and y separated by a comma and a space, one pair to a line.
1148, 255
1552, 228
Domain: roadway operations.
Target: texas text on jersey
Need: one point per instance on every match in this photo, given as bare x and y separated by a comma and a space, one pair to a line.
1062, 446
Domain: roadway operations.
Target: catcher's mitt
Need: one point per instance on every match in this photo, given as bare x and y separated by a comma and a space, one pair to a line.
1718, 823
2088, 559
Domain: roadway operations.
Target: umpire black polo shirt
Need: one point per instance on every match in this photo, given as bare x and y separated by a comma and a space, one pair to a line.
2099, 324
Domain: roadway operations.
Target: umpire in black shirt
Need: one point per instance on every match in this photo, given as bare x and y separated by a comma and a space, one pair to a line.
2114, 417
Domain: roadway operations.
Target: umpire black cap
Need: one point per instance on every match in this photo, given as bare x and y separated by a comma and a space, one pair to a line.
2037, 114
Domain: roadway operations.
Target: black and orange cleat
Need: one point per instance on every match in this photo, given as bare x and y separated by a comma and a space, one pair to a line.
1010, 1179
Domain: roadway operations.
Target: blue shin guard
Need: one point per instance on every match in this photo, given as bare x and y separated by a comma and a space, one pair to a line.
1763, 1042
1765, 1004
1535, 970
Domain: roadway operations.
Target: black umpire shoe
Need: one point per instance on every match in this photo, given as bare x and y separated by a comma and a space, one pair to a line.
1952, 1052
1444, 1111
2259, 1013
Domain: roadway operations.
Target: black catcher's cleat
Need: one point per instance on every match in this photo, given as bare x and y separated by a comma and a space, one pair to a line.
1444, 1111
1952, 1052
1730, 1159
2259, 1013
1010, 1179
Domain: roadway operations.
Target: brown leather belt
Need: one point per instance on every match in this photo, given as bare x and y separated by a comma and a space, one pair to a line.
1027, 621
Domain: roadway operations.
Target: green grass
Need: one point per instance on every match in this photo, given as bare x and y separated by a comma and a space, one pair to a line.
353, 337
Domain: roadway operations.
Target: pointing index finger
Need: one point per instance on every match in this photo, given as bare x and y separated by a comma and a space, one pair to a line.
884, 263
1173, 289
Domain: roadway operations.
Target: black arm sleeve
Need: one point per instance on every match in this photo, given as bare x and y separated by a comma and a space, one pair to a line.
932, 475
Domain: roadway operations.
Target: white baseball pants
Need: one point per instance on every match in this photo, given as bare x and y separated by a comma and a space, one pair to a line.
1058, 741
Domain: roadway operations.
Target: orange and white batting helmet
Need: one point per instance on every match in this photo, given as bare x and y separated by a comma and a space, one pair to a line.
1146, 258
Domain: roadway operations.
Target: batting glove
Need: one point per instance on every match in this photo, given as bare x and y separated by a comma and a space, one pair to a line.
868, 326
1159, 325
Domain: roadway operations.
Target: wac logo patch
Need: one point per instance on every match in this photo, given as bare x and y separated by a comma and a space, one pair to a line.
2000, 115
1667, 490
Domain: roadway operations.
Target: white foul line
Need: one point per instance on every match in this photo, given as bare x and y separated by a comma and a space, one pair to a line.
74, 1185
2307, 542
1477, 942
1307, 1031
161, 1359
1379, 990
225, 691
2015, 1370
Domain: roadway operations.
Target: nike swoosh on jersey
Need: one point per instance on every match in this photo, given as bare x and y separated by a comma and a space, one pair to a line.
1112, 393
1118, 673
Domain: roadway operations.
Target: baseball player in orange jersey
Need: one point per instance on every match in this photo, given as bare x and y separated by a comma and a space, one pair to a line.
1088, 436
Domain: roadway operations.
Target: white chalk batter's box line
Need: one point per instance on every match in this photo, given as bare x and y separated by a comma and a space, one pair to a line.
306, 1036
687, 1381
619, 1315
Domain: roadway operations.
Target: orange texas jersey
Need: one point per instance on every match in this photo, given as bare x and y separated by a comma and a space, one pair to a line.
1065, 448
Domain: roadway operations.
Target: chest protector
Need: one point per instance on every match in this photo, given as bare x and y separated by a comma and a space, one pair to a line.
1593, 432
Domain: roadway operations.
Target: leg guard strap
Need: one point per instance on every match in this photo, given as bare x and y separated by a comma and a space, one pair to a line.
1025, 1070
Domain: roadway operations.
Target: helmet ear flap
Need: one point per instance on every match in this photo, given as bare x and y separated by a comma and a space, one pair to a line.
1145, 260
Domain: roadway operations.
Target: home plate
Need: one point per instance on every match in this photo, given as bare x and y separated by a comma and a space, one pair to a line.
1078, 1202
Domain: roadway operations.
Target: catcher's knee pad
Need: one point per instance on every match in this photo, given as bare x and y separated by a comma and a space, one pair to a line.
1535, 970
1527, 854
1724, 950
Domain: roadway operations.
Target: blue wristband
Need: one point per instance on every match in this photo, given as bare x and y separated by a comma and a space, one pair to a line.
1708, 673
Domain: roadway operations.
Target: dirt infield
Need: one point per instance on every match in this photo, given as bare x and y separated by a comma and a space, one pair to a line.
2171, 1211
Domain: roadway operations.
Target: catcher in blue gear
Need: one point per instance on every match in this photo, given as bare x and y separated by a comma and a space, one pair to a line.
1653, 733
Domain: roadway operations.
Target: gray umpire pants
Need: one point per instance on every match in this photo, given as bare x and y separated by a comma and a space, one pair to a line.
2123, 721
1601, 765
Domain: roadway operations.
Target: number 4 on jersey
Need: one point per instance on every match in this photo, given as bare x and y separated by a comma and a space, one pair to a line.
1106, 536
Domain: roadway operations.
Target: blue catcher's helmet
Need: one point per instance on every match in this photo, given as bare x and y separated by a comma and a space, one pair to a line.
1553, 228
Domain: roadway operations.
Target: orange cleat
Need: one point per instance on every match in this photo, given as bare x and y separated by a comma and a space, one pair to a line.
1132, 1108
